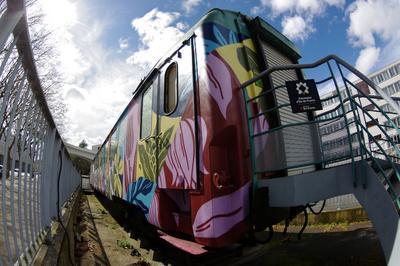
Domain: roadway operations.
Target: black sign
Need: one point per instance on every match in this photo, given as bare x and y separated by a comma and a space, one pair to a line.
303, 95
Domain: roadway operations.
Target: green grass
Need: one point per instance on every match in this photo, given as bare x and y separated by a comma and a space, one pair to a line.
124, 243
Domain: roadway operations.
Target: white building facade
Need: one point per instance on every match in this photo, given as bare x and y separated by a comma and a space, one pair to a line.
338, 140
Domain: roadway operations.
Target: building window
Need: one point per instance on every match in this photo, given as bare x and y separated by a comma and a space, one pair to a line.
146, 112
387, 74
171, 88
372, 123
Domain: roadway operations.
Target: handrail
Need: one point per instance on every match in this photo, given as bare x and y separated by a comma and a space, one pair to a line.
318, 63
350, 94
379, 109
295, 125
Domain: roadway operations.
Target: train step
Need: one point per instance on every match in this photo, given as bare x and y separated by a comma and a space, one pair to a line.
190, 247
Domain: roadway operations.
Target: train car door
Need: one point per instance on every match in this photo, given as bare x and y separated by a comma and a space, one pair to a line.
147, 143
176, 124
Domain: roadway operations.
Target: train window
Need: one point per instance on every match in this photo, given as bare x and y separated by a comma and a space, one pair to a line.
171, 88
146, 112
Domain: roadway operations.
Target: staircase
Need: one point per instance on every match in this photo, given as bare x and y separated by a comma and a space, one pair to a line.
367, 164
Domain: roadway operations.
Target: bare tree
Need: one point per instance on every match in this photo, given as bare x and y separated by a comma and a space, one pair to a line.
16, 98
45, 58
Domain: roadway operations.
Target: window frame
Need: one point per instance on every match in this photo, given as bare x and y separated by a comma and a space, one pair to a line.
174, 63
141, 110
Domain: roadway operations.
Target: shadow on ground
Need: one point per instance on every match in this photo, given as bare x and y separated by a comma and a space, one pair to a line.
89, 239
355, 247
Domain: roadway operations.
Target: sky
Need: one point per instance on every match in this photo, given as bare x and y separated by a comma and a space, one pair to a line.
105, 47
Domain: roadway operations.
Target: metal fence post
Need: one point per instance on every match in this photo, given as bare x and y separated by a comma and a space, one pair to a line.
47, 175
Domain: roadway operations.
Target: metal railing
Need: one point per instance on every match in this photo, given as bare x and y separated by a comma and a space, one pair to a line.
31, 149
357, 132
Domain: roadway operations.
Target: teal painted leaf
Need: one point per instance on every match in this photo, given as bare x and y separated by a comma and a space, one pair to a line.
145, 159
219, 36
232, 37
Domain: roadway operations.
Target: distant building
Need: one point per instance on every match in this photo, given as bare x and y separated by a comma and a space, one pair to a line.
83, 153
335, 142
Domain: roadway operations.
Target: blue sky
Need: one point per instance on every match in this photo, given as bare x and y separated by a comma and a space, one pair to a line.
106, 47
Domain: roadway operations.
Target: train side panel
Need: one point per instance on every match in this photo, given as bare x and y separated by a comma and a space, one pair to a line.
192, 173
226, 58
113, 168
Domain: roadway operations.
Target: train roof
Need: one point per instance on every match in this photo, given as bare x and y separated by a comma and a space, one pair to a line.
215, 15
228, 17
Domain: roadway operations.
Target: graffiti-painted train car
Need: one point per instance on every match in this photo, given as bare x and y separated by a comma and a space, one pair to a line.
181, 149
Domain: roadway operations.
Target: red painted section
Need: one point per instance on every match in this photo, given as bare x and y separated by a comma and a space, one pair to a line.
225, 155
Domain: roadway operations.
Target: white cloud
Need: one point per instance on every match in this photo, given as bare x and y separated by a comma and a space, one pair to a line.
157, 33
182, 26
373, 18
298, 15
300, 7
338, 3
188, 5
97, 84
123, 43
367, 59
296, 28
255, 10
374, 26
59, 14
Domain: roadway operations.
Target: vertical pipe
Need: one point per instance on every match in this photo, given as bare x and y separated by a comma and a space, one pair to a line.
24, 112
37, 157
47, 175
30, 177
40, 180
14, 106
34, 175
27, 119
28, 123
55, 166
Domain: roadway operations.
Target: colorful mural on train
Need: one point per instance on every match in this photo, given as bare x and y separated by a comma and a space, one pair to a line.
192, 174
